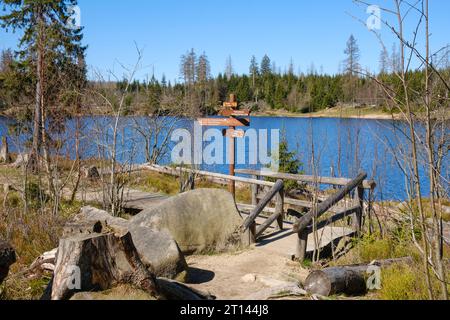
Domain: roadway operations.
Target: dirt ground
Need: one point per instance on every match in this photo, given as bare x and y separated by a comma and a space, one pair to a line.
244, 275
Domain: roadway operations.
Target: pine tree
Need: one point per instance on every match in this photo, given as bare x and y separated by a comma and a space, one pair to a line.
188, 67
352, 65
229, 71
266, 66
254, 71
50, 50
384, 61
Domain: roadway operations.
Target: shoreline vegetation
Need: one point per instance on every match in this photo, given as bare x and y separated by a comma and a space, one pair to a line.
346, 112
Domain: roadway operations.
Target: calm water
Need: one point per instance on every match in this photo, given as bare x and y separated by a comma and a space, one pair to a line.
342, 146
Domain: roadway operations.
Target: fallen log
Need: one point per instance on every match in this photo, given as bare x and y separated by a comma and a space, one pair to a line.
349, 280
173, 290
7, 258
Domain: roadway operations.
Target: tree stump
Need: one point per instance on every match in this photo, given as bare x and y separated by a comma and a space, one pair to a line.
102, 261
96, 263
7, 258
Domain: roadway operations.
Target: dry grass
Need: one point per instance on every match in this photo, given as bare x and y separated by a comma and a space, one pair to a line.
170, 185
30, 234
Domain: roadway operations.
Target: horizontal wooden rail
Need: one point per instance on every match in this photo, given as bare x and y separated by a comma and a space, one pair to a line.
323, 207
367, 184
335, 218
176, 172
249, 208
304, 204
279, 185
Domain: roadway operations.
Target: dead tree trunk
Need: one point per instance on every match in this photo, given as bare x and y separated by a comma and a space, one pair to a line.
5, 157
350, 280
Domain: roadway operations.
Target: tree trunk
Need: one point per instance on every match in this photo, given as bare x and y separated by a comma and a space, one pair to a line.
350, 280
33, 161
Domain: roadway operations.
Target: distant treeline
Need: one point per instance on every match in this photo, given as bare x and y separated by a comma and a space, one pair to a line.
264, 88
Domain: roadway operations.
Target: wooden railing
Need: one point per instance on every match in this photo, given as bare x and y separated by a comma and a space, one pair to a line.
261, 199
304, 225
250, 223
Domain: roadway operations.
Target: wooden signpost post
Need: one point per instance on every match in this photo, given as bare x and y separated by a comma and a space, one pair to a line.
235, 118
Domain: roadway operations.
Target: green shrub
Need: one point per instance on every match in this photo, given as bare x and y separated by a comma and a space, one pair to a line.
372, 248
400, 282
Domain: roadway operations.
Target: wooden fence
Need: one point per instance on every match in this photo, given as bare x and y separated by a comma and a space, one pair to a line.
261, 200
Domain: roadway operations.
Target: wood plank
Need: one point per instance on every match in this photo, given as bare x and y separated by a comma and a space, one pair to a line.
224, 122
305, 204
231, 133
249, 208
335, 218
367, 184
232, 104
234, 113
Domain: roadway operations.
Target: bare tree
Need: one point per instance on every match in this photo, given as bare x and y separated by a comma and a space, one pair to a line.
424, 150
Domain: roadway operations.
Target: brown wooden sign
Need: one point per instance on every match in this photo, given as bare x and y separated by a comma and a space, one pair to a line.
231, 133
230, 104
234, 113
224, 122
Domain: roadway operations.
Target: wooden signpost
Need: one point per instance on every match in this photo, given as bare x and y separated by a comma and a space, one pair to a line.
235, 118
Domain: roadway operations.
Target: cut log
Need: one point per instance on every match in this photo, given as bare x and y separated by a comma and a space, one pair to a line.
97, 263
7, 258
349, 280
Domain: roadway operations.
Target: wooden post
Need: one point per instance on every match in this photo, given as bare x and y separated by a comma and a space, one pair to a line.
302, 245
279, 209
358, 215
253, 233
232, 183
255, 190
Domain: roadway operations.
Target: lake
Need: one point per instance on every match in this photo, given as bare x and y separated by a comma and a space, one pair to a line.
342, 147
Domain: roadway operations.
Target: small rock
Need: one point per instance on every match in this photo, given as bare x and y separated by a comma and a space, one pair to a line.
249, 278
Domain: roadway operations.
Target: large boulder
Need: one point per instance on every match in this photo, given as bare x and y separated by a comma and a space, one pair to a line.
200, 220
7, 258
157, 249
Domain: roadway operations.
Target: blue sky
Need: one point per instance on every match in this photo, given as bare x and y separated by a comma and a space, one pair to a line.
306, 31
